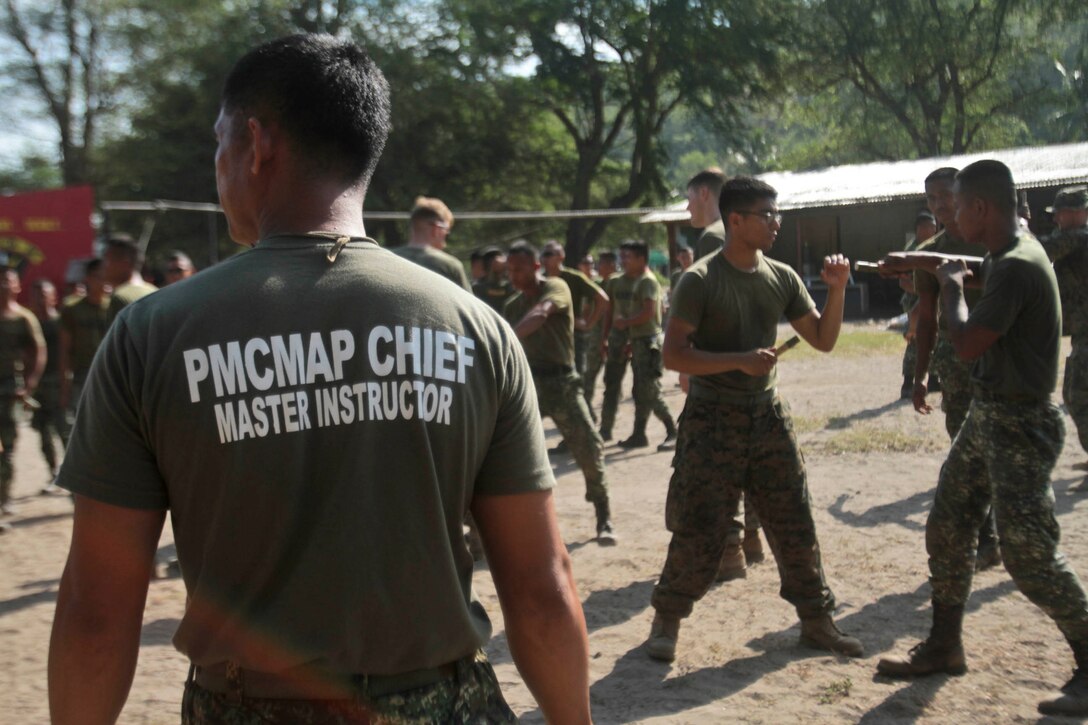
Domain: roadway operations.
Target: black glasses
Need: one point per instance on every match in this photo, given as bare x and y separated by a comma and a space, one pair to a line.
766, 215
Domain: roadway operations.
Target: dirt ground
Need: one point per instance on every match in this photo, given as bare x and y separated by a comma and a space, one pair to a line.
872, 466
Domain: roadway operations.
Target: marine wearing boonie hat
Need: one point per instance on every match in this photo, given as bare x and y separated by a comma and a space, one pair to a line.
1071, 197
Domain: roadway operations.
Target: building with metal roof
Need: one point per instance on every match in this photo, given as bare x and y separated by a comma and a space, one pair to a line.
867, 210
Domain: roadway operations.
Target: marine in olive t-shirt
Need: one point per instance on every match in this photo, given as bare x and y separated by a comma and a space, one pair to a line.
19, 331
710, 240
553, 344
582, 289
86, 324
437, 261
125, 294
1020, 302
351, 430
737, 311
945, 243
628, 295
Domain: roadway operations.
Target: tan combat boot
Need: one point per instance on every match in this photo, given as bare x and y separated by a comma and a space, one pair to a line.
663, 635
821, 633
941, 652
1072, 700
732, 565
753, 547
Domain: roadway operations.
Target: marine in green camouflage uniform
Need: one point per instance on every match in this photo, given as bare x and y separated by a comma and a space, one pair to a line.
953, 372
542, 316
1006, 449
736, 434
49, 419
633, 293
1067, 248
22, 354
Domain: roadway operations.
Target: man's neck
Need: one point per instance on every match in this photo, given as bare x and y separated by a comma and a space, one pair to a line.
741, 256
1000, 236
533, 291
323, 209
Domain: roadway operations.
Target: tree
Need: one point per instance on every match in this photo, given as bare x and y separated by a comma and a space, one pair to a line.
62, 64
612, 72
940, 73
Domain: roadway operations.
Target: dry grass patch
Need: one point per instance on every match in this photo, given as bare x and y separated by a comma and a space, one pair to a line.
876, 439
854, 343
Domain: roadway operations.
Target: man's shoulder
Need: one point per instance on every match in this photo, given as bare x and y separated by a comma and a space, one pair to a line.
715, 229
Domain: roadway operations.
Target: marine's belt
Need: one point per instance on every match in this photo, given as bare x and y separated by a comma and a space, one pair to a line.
541, 371
702, 392
223, 679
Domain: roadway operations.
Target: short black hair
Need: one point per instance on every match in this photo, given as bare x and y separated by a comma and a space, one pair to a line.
326, 93
92, 266
741, 192
636, 246
127, 247
606, 256
945, 173
989, 180
525, 249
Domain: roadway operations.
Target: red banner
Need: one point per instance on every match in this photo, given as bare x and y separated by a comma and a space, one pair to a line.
42, 231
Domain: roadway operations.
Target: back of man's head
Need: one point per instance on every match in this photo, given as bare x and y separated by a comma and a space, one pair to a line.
742, 192
326, 93
428, 210
946, 174
709, 179
123, 247
523, 248
990, 181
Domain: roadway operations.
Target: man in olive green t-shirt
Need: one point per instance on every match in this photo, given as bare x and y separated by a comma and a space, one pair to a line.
542, 315
494, 286
1007, 447
735, 434
636, 311
318, 415
83, 325
595, 345
934, 351
22, 360
428, 227
590, 301
703, 191
121, 264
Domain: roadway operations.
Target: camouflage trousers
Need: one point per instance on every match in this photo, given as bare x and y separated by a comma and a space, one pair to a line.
955, 376
910, 355
725, 450
594, 362
646, 368
1075, 390
615, 368
560, 398
8, 401
50, 420
1004, 454
472, 696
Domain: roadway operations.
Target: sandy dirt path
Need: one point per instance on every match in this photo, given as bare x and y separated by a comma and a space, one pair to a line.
872, 465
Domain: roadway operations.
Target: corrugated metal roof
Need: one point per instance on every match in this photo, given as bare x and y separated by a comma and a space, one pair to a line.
1031, 166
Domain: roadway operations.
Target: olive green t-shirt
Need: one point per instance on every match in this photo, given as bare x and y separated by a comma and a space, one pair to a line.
493, 291
944, 243
437, 261
737, 311
19, 332
318, 432
628, 296
1020, 302
583, 290
710, 240
125, 294
553, 343
86, 324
